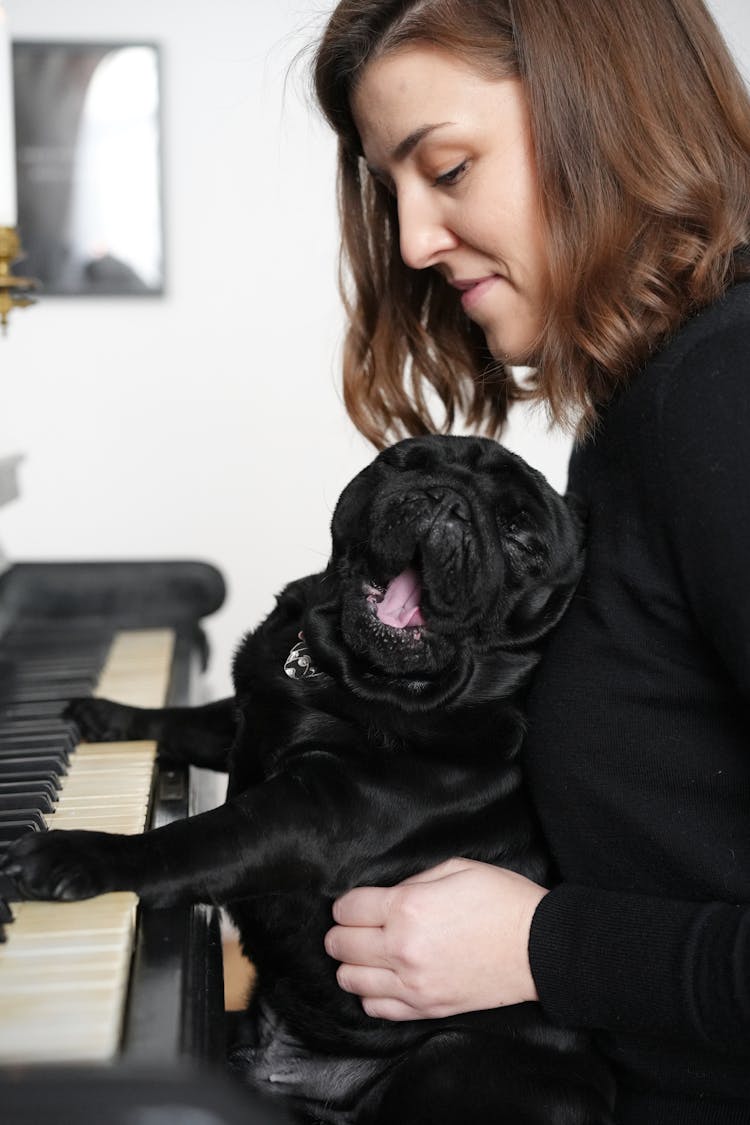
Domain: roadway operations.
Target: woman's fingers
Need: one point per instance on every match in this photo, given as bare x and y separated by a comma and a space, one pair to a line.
390, 1010
365, 970
357, 945
369, 983
383, 993
364, 906
371, 906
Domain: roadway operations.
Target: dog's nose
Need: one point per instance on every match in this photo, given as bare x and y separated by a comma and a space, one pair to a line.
451, 503
460, 509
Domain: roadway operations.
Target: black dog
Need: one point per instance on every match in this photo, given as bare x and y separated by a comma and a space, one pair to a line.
375, 732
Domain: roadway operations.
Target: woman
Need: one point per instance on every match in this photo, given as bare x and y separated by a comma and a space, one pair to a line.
566, 184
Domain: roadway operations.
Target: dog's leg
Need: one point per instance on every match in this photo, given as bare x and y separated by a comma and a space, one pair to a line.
273, 837
196, 736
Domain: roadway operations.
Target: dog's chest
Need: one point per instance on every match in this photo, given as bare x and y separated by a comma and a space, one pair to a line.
276, 718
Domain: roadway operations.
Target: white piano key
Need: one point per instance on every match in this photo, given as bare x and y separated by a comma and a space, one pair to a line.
64, 967
35, 1035
137, 671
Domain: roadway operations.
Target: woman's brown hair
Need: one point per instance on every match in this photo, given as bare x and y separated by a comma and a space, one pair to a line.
640, 123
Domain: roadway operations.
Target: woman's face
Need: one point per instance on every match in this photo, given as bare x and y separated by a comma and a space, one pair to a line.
455, 150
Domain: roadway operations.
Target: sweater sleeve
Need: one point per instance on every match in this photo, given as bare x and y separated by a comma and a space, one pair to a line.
703, 494
637, 964
629, 963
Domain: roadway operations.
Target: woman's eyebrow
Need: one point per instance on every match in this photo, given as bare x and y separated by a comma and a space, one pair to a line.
403, 148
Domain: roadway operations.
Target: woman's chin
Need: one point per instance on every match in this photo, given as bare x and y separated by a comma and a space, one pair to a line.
510, 351
512, 339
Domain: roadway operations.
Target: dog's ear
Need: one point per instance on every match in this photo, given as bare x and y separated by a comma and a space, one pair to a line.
578, 510
538, 611
550, 566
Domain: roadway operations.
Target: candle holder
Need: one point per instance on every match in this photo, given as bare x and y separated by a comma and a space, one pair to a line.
12, 288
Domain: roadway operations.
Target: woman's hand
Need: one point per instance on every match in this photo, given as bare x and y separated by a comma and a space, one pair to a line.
452, 939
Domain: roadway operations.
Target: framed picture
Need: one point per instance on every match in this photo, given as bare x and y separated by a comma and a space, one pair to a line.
88, 143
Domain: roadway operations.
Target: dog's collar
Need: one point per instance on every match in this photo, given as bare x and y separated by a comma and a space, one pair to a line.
298, 664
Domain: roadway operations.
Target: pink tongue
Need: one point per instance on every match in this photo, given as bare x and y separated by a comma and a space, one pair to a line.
400, 606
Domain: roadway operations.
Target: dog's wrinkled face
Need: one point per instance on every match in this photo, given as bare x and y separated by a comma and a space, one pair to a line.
446, 550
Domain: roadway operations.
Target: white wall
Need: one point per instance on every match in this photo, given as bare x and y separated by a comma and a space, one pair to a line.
207, 424
733, 17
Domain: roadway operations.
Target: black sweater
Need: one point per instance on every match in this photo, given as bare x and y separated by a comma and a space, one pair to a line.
638, 751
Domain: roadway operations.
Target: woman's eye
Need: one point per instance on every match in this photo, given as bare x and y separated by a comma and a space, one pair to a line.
452, 177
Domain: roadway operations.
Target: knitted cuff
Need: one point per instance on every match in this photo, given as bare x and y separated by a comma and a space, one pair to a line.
614, 961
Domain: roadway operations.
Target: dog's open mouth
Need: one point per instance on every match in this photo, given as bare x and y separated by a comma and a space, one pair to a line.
384, 623
398, 603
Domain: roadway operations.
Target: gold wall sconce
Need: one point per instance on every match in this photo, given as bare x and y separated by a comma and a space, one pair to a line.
13, 289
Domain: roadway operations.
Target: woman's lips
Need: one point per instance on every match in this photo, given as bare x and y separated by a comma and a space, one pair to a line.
472, 291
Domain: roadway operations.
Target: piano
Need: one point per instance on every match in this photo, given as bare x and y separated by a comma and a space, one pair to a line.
103, 1003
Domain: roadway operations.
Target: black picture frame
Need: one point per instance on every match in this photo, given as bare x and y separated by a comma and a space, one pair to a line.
89, 166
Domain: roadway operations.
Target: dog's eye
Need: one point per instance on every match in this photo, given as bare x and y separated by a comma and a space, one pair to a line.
517, 524
521, 536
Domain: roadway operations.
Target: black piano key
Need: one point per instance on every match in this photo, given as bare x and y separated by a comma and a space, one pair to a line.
54, 762
41, 788
37, 668
30, 774
11, 754
43, 742
32, 819
62, 679
55, 662
21, 691
21, 735
51, 709
25, 801
13, 830
42, 667
33, 725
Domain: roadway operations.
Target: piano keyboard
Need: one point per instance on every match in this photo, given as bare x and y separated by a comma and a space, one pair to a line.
64, 966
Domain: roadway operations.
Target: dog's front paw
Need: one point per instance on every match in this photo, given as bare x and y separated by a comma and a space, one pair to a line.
62, 865
101, 720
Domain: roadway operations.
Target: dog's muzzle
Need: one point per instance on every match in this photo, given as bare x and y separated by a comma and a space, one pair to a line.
430, 573
431, 557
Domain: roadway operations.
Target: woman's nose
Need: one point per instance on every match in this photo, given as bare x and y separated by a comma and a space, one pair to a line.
423, 233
